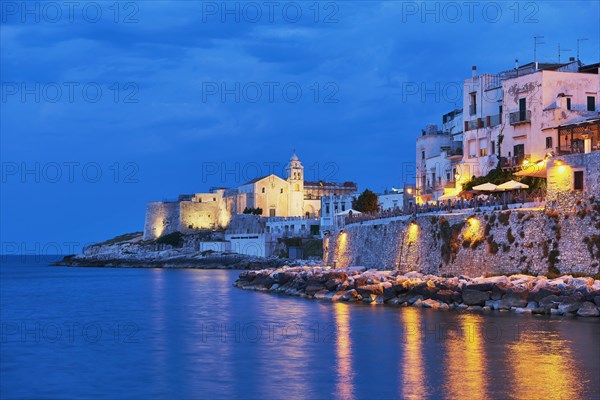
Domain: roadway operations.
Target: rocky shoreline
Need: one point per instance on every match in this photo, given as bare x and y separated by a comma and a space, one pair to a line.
194, 260
565, 295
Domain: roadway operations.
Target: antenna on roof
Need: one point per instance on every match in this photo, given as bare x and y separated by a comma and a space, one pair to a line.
579, 41
536, 40
560, 51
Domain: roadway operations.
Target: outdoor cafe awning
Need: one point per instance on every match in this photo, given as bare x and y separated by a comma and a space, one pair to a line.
447, 197
487, 187
513, 185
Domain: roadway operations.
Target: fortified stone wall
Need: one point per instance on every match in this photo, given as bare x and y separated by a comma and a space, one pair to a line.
561, 194
505, 242
162, 218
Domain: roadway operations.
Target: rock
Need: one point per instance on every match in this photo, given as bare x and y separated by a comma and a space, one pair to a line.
474, 297
418, 303
549, 302
499, 289
532, 305
350, 295
555, 311
332, 284
483, 286
462, 307
514, 297
474, 308
521, 310
569, 305
368, 290
545, 291
588, 309
430, 303
597, 300
314, 287
320, 295
414, 299
447, 296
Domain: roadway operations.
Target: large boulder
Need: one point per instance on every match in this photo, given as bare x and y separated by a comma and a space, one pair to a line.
569, 305
447, 296
588, 309
539, 292
499, 290
368, 290
515, 296
474, 297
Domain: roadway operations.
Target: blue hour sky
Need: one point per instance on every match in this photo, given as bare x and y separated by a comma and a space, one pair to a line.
106, 105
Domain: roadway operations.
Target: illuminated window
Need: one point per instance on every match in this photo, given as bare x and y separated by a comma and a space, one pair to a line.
549, 142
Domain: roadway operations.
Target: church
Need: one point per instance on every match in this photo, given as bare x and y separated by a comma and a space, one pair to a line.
270, 196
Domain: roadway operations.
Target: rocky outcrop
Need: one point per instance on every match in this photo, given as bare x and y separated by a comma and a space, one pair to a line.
131, 251
523, 294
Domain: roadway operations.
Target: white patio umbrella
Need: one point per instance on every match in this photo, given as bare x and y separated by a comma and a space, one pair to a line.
347, 212
513, 185
487, 187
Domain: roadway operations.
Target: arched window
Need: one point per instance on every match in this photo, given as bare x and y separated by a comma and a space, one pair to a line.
263, 190
297, 187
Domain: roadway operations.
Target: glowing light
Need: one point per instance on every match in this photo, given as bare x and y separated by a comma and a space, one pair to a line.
562, 169
473, 230
467, 367
345, 374
409, 190
559, 162
413, 232
413, 371
525, 162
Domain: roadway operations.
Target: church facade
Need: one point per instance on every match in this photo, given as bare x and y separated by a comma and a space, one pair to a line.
271, 196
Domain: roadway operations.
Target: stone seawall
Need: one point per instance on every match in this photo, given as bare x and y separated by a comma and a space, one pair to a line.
499, 243
565, 295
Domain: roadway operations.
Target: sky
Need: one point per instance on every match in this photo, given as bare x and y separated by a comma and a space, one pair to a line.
106, 106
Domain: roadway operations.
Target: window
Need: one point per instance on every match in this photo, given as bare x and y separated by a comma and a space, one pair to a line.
343, 207
482, 152
281, 191
493, 147
568, 103
549, 142
578, 180
423, 154
591, 103
263, 190
473, 106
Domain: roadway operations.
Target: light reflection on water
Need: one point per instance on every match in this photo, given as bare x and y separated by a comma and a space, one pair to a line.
201, 338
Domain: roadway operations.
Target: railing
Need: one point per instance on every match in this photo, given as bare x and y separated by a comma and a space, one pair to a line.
472, 125
494, 120
450, 184
495, 200
516, 161
519, 117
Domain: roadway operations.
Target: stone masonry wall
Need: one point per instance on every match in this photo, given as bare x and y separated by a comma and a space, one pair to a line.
162, 218
506, 242
561, 195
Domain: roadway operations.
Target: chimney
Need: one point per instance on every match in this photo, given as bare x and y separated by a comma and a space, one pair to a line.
474, 71
516, 63
571, 59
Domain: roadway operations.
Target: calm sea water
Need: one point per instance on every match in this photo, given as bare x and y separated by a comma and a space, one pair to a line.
153, 333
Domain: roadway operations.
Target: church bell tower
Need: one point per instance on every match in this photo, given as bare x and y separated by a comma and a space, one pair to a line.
295, 178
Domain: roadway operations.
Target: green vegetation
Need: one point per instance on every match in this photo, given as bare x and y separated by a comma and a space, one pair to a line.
591, 242
174, 239
449, 237
366, 202
121, 238
509, 236
504, 218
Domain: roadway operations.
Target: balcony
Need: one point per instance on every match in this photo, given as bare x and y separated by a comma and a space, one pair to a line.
520, 117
